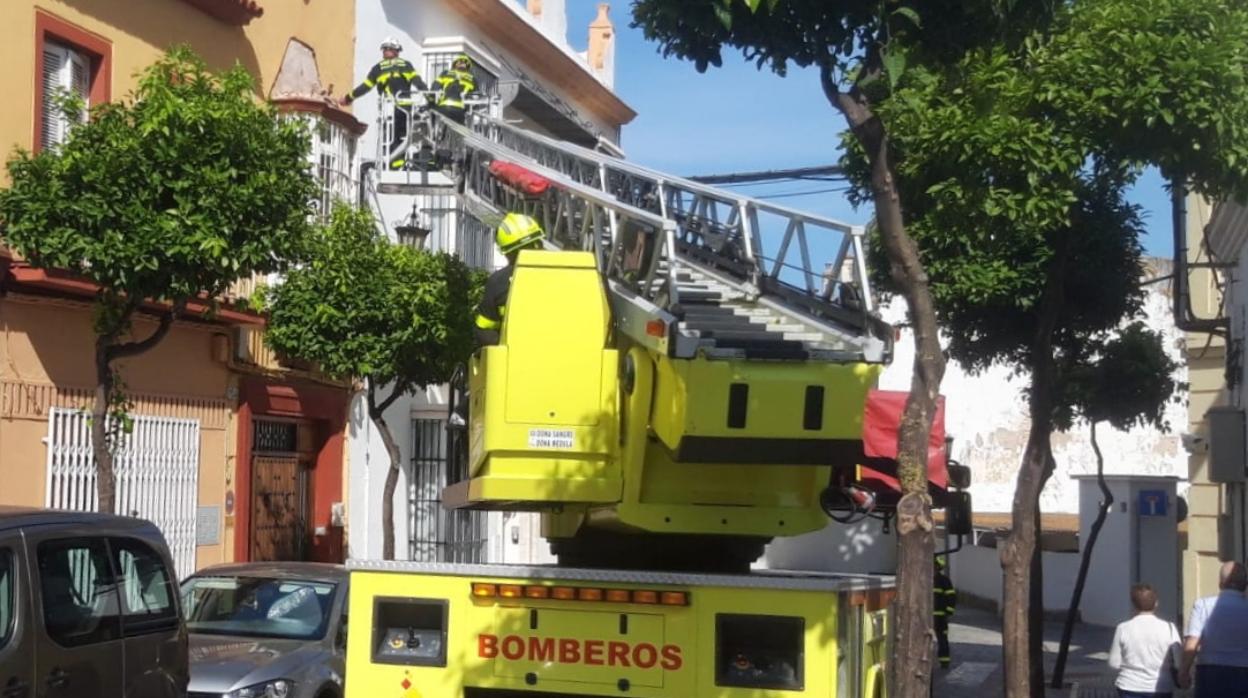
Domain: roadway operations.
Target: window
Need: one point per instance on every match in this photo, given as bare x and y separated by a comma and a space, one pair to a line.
439, 60
292, 609
68, 59
7, 597
65, 71
77, 591
146, 590
333, 156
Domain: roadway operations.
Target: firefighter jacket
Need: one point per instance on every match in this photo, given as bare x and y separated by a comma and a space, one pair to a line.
395, 77
493, 307
946, 598
453, 86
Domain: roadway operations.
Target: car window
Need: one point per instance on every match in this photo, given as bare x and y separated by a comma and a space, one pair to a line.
77, 592
7, 593
257, 607
147, 593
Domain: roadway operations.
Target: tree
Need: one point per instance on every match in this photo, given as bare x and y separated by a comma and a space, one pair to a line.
1126, 381
862, 49
1013, 166
169, 196
363, 308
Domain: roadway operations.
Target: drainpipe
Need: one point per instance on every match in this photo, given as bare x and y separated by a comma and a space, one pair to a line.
1184, 318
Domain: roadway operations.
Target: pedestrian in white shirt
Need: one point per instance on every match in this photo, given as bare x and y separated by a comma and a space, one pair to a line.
1217, 638
1146, 650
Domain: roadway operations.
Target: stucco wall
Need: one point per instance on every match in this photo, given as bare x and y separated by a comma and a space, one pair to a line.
139, 30
987, 416
46, 361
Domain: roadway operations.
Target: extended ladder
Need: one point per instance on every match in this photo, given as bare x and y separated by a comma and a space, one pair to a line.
725, 274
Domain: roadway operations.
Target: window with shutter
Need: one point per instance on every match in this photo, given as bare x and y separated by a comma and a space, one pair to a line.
64, 70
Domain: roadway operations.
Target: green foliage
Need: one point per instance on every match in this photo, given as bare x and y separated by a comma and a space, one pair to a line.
840, 36
1013, 165
184, 187
1126, 380
365, 308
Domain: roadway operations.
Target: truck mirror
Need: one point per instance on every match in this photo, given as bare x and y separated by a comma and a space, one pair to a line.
959, 475
958, 514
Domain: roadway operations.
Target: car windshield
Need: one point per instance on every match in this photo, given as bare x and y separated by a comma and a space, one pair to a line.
257, 607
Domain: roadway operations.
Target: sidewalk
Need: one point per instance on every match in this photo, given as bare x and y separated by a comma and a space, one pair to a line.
975, 637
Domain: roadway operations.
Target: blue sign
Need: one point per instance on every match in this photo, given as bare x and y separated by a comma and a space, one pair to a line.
1152, 503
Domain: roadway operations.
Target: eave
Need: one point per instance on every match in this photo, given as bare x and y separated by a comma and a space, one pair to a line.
511, 31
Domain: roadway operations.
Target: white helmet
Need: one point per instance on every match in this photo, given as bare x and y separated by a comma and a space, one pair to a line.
391, 42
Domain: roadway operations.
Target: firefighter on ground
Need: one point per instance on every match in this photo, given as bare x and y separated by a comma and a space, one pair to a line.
453, 86
397, 78
516, 232
945, 601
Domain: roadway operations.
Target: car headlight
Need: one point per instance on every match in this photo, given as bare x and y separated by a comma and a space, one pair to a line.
277, 688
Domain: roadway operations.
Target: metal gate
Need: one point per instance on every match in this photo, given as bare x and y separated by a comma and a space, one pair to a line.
156, 467
438, 535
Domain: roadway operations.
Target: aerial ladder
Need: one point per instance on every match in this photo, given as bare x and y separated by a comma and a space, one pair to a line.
679, 380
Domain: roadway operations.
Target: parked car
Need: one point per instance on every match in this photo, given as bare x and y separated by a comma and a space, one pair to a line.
271, 630
88, 607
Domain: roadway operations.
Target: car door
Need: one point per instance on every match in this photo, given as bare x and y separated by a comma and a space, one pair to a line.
78, 648
17, 651
155, 642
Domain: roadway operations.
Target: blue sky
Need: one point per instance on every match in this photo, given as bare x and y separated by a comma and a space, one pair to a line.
738, 118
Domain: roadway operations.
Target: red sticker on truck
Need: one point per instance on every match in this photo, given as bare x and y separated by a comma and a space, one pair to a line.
567, 650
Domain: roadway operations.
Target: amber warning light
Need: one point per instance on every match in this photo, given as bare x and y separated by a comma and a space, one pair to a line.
489, 590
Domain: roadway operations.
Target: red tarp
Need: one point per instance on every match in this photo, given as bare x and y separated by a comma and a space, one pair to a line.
879, 437
521, 178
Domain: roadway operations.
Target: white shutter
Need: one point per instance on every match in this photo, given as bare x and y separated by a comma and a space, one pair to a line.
54, 60
64, 69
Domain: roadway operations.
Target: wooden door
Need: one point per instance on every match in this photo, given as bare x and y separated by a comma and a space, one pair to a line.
277, 526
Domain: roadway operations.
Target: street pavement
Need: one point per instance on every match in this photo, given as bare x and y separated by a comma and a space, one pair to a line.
975, 638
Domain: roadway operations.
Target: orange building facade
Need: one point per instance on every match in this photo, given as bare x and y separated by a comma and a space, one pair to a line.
233, 454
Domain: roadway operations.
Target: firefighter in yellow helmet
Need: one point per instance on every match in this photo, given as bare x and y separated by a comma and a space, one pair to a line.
517, 232
453, 87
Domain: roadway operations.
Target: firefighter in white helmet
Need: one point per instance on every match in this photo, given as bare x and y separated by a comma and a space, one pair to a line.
394, 77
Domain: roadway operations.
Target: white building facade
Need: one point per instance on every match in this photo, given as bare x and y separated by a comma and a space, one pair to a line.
525, 65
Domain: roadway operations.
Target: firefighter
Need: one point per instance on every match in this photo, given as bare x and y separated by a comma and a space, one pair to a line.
945, 601
516, 232
453, 86
392, 77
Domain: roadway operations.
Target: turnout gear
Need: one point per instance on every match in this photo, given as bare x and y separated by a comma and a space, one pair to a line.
453, 86
516, 232
946, 599
393, 77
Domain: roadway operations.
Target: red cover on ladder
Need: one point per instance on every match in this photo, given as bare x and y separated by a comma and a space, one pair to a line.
519, 177
880, 425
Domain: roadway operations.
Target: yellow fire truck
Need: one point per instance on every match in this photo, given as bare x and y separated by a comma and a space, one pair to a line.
669, 400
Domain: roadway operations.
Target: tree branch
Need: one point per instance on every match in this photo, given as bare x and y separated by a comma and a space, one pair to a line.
376, 409
119, 351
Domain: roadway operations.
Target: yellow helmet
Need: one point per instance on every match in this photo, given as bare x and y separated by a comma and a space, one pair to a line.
462, 58
516, 232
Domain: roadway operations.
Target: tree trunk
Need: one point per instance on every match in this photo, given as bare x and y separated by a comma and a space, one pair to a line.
107, 350
913, 648
1107, 501
1019, 547
1035, 608
376, 412
1016, 558
105, 483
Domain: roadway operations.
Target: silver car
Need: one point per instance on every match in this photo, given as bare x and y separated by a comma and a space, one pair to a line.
267, 630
